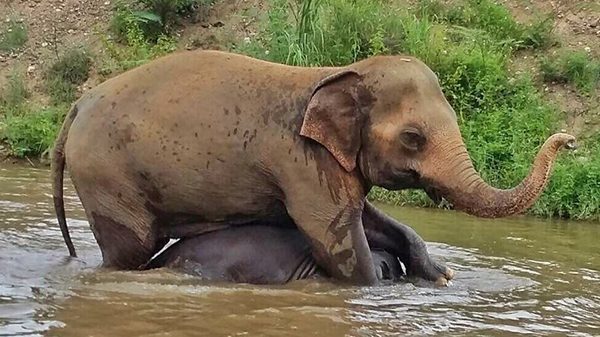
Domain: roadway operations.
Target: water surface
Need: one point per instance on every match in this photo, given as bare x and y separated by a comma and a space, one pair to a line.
514, 276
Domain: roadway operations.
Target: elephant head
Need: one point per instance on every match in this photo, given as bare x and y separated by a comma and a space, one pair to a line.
387, 117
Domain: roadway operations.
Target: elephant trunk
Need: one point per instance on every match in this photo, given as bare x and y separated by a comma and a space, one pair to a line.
460, 183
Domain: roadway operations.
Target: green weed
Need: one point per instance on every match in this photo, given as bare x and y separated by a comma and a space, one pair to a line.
577, 68
13, 36
136, 51
31, 131
15, 93
154, 18
68, 72
490, 18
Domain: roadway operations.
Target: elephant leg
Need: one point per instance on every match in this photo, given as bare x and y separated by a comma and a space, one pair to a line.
383, 232
123, 227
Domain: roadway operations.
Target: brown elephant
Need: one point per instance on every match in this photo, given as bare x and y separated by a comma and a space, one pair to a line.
195, 141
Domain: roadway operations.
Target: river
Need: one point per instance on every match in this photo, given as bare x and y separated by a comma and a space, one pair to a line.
518, 275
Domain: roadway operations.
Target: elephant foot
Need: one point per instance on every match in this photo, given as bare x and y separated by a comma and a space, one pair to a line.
431, 271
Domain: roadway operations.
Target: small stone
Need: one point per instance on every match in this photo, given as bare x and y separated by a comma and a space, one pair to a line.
106, 3
587, 49
31, 69
44, 44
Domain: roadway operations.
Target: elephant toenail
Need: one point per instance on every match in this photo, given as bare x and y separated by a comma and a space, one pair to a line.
441, 282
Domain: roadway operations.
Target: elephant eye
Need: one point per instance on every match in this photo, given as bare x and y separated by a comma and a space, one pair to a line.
412, 139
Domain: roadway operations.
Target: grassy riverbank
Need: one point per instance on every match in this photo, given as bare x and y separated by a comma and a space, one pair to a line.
475, 46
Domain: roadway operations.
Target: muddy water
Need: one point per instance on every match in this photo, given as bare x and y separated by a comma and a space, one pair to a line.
515, 276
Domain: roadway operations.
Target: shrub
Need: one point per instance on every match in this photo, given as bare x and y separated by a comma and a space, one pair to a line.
29, 131
154, 18
577, 68
13, 36
15, 93
136, 51
68, 72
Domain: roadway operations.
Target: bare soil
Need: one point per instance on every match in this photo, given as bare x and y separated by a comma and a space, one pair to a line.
577, 28
57, 25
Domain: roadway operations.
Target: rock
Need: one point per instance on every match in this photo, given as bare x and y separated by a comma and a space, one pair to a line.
31, 69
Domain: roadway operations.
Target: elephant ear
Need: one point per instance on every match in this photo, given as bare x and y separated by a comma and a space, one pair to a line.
336, 114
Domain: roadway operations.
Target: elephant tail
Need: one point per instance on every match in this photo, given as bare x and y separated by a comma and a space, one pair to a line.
57, 168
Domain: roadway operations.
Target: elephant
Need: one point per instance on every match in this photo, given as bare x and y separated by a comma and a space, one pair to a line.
257, 254
197, 141
276, 254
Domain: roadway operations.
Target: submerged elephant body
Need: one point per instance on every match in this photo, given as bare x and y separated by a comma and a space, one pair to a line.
198, 141
256, 254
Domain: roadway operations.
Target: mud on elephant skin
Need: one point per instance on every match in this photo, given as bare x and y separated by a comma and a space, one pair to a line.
211, 138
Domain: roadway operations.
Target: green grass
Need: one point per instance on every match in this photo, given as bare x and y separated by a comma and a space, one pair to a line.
134, 51
13, 36
66, 74
490, 18
503, 117
15, 93
30, 130
577, 68
154, 18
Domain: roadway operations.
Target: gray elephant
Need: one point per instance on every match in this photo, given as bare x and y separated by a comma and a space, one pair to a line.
278, 253
257, 254
197, 141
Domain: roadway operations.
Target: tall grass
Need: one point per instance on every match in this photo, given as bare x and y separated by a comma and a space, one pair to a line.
503, 117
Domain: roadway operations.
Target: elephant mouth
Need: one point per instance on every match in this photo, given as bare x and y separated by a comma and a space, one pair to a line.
411, 179
401, 180
434, 194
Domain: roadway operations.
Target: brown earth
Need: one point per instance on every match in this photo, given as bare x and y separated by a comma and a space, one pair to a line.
577, 28
56, 25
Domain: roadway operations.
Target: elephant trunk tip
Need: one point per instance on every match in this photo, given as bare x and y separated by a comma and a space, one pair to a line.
565, 140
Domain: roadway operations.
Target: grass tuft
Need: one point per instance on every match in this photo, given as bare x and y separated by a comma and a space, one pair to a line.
15, 93
13, 36
66, 74
154, 18
577, 68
